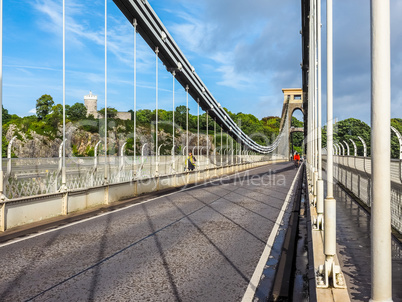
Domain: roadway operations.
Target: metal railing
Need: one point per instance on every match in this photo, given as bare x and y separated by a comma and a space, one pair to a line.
36, 176
354, 173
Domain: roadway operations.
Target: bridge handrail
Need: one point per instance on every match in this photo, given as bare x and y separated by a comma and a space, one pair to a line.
358, 181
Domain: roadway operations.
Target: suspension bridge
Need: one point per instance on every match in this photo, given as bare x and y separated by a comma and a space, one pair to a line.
245, 225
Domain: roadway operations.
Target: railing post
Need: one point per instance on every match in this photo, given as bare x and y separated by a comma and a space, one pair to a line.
400, 151
121, 162
206, 122
347, 149
61, 148
173, 160
95, 163
142, 160
355, 150
364, 163
9, 147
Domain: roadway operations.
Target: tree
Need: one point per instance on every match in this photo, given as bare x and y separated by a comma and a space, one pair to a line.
76, 112
144, 116
180, 116
6, 116
55, 117
348, 129
44, 106
111, 112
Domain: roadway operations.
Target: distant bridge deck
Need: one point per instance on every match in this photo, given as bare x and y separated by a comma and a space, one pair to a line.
296, 129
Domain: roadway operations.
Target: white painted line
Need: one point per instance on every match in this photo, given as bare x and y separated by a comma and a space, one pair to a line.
255, 279
118, 210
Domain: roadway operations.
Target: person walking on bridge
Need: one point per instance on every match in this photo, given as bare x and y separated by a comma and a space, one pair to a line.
190, 162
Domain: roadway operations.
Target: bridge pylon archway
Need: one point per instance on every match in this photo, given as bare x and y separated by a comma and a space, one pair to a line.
292, 100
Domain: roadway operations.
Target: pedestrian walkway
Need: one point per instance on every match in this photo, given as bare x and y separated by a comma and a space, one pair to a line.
354, 246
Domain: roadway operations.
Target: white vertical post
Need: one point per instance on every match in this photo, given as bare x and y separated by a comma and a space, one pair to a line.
135, 94
221, 147
106, 164
329, 202
174, 75
173, 131
227, 148
63, 168
206, 118
2, 197
231, 143
310, 93
381, 264
156, 111
198, 127
320, 182
187, 119
215, 142
314, 49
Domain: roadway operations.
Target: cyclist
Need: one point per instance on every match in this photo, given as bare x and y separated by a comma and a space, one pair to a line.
296, 158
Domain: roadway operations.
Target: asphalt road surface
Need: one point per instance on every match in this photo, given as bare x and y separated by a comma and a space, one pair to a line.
199, 244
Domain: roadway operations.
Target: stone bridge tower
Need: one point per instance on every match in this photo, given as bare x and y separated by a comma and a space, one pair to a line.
293, 98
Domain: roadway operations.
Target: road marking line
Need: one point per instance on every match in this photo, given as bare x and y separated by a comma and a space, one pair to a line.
121, 209
255, 279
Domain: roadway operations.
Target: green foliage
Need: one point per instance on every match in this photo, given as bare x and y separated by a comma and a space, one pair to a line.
55, 118
296, 123
180, 116
76, 112
111, 112
49, 118
144, 117
5, 115
44, 106
297, 137
348, 129
89, 124
90, 151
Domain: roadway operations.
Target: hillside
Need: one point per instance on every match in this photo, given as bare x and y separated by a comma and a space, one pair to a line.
40, 135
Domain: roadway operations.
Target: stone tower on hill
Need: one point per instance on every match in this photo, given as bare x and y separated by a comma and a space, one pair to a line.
91, 103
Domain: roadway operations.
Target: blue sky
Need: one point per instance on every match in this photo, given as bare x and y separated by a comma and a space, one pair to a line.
245, 52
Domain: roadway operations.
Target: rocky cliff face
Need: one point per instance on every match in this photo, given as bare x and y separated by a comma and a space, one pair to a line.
32, 145
80, 142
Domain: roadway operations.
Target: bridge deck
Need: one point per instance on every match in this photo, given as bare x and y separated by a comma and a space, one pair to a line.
199, 244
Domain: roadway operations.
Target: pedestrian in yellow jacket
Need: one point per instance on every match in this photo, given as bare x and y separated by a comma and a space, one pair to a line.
190, 162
